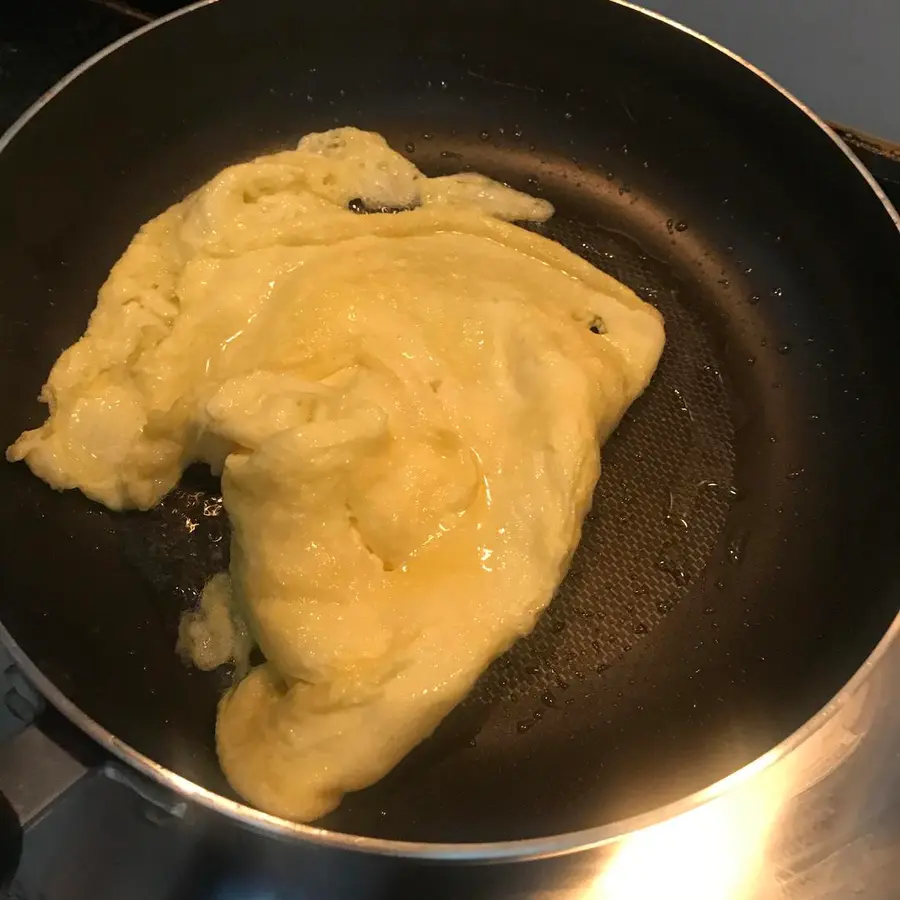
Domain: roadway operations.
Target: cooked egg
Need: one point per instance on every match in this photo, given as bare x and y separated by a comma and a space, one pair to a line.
406, 410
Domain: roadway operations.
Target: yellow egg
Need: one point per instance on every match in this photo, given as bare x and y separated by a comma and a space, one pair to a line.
406, 409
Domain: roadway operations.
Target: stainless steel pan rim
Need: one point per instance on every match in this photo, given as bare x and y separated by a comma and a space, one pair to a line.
532, 848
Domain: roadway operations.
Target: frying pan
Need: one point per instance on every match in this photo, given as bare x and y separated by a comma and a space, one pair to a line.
739, 564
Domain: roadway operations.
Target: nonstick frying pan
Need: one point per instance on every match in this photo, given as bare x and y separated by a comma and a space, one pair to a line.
740, 561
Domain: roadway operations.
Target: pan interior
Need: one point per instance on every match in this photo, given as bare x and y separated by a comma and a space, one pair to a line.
667, 488
729, 579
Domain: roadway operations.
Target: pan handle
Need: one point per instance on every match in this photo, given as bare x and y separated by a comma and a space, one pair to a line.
42, 758
10, 844
46, 765
34, 773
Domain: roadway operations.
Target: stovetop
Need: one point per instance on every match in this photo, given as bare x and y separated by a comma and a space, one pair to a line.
102, 838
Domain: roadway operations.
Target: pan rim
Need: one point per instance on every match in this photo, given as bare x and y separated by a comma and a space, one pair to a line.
523, 849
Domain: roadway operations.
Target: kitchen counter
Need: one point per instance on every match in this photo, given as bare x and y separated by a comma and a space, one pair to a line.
839, 56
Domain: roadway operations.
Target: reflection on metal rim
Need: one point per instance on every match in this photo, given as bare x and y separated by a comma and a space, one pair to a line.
531, 848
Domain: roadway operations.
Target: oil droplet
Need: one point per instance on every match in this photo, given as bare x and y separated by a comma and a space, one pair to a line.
558, 627
472, 743
665, 606
533, 670
561, 683
753, 300
640, 628
524, 725
784, 348
777, 292
720, 585
427, 136
517, 132
410, 147
796, 473
570, 701
751, 360
567, 115
548, 699
602, 668
681, 226
736, 547
717, 487
677, 572
709, 611
682, 403
484, 135
670, 226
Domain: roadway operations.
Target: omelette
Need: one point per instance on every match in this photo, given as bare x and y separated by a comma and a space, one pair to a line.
405, 395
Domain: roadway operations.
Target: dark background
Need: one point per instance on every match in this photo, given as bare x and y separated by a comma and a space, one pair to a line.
41, 40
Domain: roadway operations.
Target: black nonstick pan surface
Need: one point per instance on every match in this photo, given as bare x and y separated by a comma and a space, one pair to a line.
740, 562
